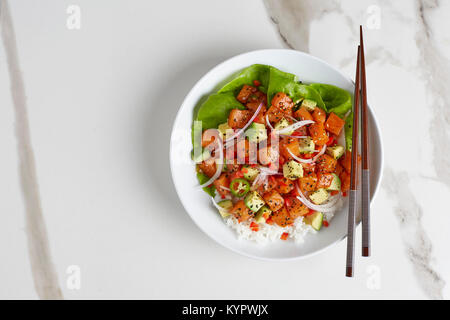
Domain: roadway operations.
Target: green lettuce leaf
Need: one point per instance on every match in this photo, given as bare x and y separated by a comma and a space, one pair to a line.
336, 100
288, 83
216, 108
258, 72
339, 101
202, 178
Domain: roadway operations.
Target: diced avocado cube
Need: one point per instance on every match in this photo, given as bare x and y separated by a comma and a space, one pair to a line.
319, 196
205, 155
223, 128
262, 214
336, 151
283, 123
292, 170
256, 132
306, 145
254, 201
310, 105
226, 205
315, 220
250, 173
335, 183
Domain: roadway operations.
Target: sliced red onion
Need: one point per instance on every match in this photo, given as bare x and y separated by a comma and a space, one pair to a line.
267, 171
268, 123
239, 132
256, 181
299, 137
292, 118
299, 159
282, 130
218, 166
225, 188
295, 126
262, 178
328, 207
321, 152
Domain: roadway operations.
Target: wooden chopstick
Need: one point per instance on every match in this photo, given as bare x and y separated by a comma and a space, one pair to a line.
354, 172
365, 187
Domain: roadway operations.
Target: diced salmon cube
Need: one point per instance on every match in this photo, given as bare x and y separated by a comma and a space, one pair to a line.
334, 124
326, 164
318, 133
208, 167
274, 200
303, 114
308, 182
274, 114
284, 185
237, 119
240, 211
324, 180
245, 93
282, 101
296, 208
319, 115
282, 217
220, 182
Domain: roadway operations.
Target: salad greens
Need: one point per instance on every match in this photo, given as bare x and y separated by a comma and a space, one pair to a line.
336, 99
288, 83
258, 72
202, 178
215, 109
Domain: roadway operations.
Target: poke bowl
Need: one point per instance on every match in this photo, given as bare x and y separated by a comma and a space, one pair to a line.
260, 151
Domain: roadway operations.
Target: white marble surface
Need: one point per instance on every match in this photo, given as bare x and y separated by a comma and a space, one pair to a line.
83, 185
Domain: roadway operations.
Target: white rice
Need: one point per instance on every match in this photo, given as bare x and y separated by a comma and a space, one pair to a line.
269, 233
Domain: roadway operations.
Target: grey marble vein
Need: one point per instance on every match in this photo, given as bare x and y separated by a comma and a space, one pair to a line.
418, 244
298, 15
43, 271
436, 73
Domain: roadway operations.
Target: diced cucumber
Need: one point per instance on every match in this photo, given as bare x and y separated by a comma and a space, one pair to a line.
292, 170
319, 196
336, 151
256, 132
226, 205
306, 145
283, 123
224, 128
335, 183
262, 214
310, 105
254, 201
250, 173
315, 220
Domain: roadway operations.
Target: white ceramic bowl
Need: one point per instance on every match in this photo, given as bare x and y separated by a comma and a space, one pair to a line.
198, 204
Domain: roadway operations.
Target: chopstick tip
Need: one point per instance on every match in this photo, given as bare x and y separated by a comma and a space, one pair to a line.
349, 272
365, 252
